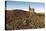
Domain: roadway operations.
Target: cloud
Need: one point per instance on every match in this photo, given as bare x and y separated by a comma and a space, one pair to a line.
26, 9
40, 10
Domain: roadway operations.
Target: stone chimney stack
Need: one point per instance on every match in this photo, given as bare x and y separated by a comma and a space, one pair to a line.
31, 9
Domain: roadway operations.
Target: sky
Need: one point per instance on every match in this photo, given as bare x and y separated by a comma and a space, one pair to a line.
39, 7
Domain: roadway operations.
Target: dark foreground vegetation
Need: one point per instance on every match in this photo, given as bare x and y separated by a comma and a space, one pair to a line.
19, 19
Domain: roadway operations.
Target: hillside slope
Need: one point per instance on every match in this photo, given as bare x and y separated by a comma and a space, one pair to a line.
20, 19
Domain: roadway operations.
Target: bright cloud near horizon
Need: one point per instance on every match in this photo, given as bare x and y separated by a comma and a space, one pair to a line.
39, 7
